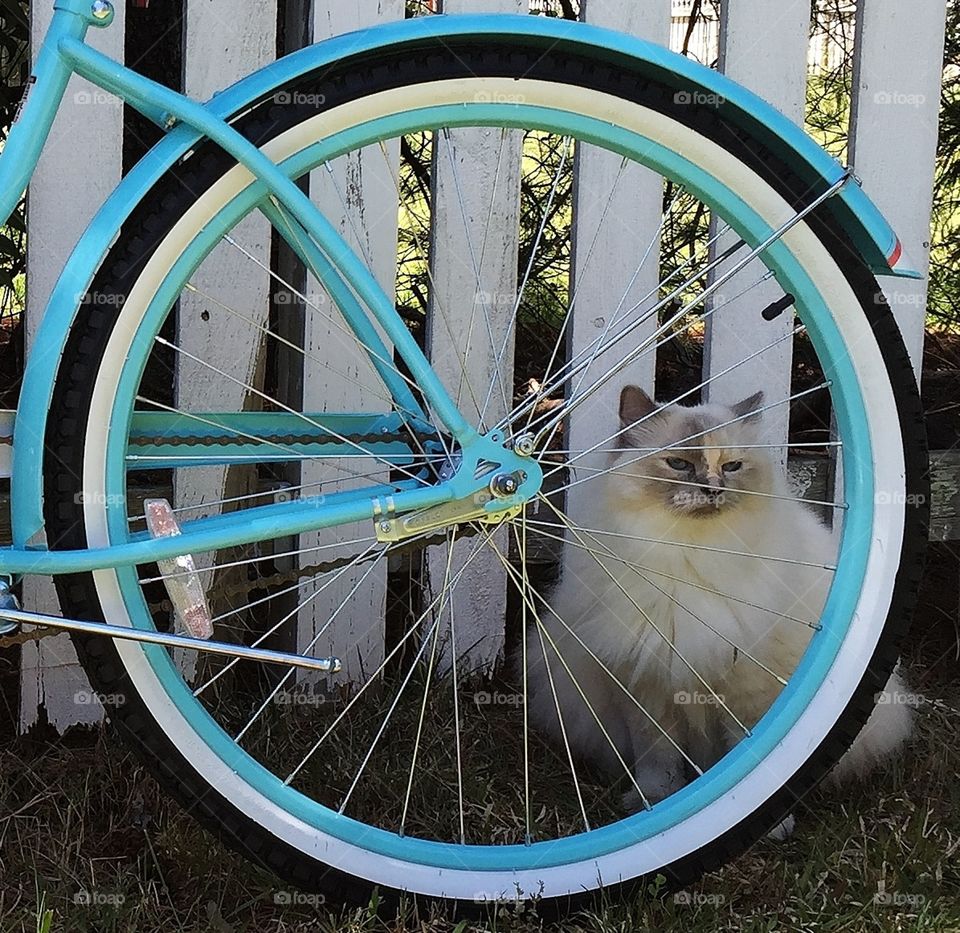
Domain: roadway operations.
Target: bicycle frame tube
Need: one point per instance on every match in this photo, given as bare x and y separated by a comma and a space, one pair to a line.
38, 107
148, 96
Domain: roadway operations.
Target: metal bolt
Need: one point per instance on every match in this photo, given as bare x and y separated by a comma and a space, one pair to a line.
503, 485
524, 446
384, 526
101, 9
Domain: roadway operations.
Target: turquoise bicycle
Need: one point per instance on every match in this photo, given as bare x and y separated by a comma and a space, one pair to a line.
419, 773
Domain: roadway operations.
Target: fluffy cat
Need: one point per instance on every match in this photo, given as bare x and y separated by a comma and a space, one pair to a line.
698, 493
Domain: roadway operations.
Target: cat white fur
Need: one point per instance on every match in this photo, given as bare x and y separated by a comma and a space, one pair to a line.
660, 626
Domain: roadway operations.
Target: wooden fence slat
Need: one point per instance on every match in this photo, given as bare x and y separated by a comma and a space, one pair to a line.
767, 54
80, 165
476, 185
358, 194
893, 137
227, 278
616, 214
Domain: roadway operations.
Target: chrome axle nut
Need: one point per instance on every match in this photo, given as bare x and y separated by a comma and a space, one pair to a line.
503, 485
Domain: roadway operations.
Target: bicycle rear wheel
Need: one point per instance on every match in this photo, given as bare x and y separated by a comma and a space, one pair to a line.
418, 772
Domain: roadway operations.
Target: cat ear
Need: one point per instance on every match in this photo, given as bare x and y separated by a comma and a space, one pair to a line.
635, 405
747, 409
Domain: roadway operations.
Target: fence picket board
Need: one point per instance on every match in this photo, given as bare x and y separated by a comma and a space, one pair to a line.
616, 215
79, 167
358, 194
767, 54
461, 310
204, 328
893, 137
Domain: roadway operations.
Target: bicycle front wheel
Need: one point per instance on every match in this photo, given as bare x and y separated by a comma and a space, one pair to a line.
482, 743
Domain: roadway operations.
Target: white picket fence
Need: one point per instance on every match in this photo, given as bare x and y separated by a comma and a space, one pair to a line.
763, 45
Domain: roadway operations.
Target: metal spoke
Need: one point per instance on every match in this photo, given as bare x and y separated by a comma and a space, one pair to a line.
553, 690
389, 714
691, 437
452, 537
324, 364
716, 697
498, 375
579, 364
426, 693
436, 304
315, 308
596, 341
607, 553
526, 275
573, 300
736, 492
571, 404
292, 614
298, 414
383, 665
662, 573
253, 560
619, 450
652, 348
286, 677
613, 677
697, 547
522, 543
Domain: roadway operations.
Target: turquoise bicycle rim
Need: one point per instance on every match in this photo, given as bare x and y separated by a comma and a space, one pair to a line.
851, 418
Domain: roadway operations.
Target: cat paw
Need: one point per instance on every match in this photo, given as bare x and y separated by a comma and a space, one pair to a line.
783, 830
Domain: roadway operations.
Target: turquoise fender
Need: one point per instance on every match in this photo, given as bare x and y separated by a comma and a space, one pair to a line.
857, 214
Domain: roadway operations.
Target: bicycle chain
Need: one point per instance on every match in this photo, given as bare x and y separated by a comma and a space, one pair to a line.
279, 578
227, 440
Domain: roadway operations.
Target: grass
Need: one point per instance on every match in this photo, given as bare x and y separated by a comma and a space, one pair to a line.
88, 843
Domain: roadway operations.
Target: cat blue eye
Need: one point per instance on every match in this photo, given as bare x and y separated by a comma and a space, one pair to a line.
731, 466
678, 463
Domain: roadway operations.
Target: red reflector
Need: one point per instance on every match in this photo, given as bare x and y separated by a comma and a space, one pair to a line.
895, 255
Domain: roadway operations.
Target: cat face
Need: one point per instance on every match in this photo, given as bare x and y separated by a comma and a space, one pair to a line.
682, 460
